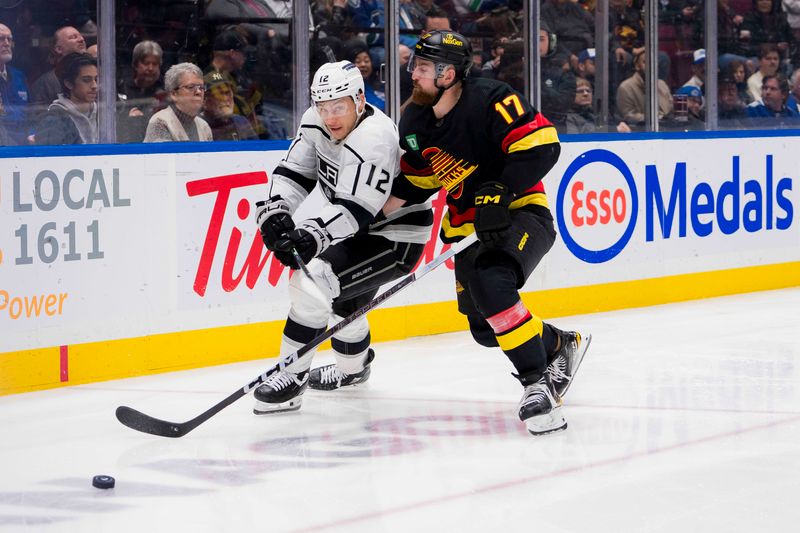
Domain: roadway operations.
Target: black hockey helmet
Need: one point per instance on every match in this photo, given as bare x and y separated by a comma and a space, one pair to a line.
447, 47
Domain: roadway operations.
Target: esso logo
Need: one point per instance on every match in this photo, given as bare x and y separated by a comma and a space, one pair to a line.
597, 206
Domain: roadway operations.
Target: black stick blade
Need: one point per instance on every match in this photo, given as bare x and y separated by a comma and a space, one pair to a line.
147, 424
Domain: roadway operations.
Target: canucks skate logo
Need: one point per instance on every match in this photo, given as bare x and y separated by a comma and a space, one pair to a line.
450, 172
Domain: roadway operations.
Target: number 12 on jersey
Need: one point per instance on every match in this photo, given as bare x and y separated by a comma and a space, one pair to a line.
510, 103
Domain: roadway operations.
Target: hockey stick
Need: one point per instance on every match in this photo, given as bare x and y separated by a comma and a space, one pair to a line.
147, 424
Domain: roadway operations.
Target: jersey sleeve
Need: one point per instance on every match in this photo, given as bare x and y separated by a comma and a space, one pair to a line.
527, 139
296, 175
367, 169
417, 181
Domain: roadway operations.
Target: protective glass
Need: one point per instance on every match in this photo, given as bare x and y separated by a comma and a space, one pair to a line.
335, 108
425, 68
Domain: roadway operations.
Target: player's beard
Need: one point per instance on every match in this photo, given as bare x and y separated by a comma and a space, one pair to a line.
420, 97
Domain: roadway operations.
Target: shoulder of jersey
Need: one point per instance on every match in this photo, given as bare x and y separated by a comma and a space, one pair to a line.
487, 88
310, 118
375, 128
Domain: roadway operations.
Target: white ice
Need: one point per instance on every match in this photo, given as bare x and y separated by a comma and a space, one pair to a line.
683, 418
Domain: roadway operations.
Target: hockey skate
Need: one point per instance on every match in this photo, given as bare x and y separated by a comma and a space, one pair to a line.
280, 392
540, 408
563, 368
329, 377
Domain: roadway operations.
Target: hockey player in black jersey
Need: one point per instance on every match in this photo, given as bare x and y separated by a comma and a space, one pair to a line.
486, 145
350, 150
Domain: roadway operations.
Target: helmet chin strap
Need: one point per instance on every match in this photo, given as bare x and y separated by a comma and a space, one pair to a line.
441, 89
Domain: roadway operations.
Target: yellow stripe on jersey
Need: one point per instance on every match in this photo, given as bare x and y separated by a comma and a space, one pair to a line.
460, 231
424, 182
536, 198
522, 334
546, 135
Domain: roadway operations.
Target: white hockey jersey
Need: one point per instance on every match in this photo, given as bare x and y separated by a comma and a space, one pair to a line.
355, 176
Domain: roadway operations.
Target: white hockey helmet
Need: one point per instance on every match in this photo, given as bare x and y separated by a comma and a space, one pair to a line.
335, 80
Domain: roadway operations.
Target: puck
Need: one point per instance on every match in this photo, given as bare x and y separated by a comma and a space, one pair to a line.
103, 482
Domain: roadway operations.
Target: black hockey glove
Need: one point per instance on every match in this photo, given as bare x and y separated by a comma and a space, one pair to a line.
492, 217
273, 227
302, 241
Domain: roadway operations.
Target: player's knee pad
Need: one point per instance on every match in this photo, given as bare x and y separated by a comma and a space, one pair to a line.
494, 287
481, 331
311, 297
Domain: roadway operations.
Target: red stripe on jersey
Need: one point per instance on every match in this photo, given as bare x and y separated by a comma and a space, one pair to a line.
539, 121
409, 169
457, 219
539, 187
509, 319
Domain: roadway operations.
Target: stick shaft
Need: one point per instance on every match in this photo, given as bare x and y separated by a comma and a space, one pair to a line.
141, 422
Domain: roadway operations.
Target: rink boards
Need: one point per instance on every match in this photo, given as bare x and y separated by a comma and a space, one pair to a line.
117, 263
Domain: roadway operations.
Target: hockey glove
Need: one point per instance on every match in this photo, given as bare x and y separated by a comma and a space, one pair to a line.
274, 223
492, 217
302, 241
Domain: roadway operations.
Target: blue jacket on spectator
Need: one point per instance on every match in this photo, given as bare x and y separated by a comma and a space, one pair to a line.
14, 94
370, 14
373, 98
758, 110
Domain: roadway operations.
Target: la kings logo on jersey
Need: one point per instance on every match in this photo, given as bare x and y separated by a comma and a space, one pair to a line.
328, 172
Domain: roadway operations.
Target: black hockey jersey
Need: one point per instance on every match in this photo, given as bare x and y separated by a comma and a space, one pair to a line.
492, 134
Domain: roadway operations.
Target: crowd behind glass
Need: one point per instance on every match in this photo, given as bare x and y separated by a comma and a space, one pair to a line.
206, 70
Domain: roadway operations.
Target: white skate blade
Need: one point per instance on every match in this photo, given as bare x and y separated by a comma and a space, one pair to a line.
546, 423
585, 341
264, 408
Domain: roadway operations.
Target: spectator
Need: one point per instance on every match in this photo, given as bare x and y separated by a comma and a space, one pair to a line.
45, 90
794, 97
180, 121
218, 111
92, 51
729, 46
766, 24
557, 84
630, 95
411, 18
730, 108
698, 69
688, 21
140, 94
581, 118
736, 71
769, 61
367, 17
357, 52
695, 105
511, 66
228, 59
492, 64
627, 32
773, 111
406, 84
437, 19
72, 117
13, 93
330, 18
585, 67
792, 9
573, 25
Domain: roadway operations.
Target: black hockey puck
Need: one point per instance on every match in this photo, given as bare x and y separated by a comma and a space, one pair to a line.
103, 482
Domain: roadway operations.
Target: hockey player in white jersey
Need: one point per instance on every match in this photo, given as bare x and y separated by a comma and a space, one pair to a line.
351, 151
